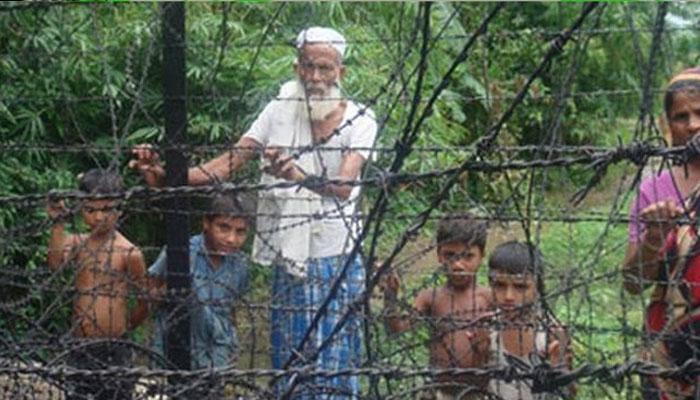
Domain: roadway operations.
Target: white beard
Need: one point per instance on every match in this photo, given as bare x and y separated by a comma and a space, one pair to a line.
317, 107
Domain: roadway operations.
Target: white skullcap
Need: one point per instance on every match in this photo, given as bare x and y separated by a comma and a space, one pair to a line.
319, 34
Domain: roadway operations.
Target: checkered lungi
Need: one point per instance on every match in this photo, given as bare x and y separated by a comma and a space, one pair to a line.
295, 302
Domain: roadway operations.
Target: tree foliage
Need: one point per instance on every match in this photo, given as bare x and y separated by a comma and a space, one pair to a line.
90, 76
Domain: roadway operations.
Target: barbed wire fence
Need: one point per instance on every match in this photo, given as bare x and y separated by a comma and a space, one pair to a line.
414, 178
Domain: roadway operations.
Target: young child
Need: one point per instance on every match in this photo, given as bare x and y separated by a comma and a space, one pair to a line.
107, 266
219, 272
520, 329
458, 340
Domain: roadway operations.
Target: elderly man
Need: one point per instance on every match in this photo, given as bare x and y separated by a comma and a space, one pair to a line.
305, 232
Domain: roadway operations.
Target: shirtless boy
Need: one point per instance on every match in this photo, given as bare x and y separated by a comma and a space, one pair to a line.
458, 340
106, 267
520, 328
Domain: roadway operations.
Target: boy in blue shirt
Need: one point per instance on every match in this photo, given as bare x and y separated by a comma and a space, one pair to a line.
220, 275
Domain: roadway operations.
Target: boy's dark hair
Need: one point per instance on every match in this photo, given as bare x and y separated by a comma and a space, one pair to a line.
227, 205
462, 228
100, 181
679, 87
515, 258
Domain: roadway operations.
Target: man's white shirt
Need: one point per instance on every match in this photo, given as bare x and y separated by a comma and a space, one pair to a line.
295, 224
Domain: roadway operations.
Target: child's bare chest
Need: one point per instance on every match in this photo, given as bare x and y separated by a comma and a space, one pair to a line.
96, 266
519, 342
451, 312
450, 304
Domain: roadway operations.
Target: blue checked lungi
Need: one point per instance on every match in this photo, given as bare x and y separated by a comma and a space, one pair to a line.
295, 302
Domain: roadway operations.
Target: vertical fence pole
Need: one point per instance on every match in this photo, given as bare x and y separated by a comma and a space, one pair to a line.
177, 340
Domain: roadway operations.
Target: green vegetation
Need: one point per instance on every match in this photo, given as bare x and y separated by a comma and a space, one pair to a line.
90, 75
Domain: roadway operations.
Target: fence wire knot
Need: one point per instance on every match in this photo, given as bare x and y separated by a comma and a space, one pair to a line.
638, 153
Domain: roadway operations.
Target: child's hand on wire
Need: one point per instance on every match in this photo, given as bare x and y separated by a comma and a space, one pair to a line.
557, 350
57, 210
558, 356
390, 284
147, 161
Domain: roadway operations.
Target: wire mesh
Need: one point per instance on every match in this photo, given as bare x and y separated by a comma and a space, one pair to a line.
517, 119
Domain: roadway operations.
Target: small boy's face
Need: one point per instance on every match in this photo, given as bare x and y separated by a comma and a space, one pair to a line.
462, 261
224, 234
510, 291
101, 216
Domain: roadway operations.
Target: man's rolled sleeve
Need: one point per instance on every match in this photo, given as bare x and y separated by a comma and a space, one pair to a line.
261, 127
362, 139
